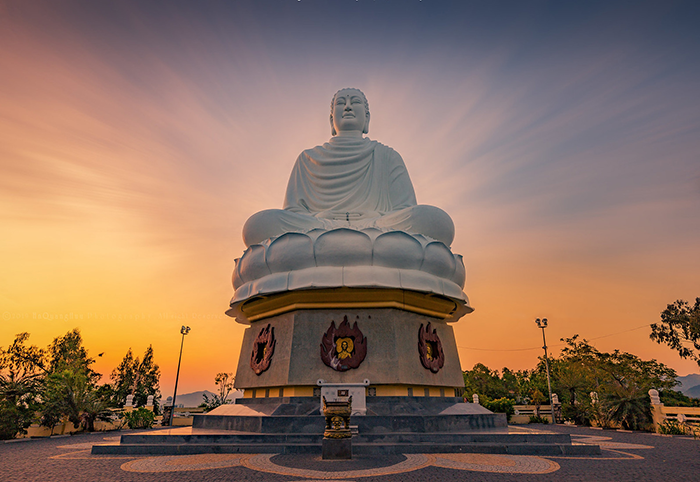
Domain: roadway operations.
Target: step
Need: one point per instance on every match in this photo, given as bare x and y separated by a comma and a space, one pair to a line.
366, 424
376, 438
357, 448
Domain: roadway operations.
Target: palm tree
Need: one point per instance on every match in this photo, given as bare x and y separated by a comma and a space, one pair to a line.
71, 393
628, 406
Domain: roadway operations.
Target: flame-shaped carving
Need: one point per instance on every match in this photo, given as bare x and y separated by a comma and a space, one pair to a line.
343, 348
263, 349
430, 349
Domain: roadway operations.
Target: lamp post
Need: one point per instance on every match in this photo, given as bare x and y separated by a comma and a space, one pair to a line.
543, 324
184, 330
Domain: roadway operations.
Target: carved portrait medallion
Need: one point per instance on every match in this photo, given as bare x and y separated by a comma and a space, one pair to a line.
263, 349
430, 349
343, 348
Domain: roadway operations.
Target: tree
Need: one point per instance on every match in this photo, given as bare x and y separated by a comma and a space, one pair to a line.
519, 384
70, 385
628, 406
515, 385
139, 378
21, 378
224, 382
55, 382
70, 392
680, 327
538, 399
58, 382
484, 382
123, 378
621, 379
673, 398
68, 352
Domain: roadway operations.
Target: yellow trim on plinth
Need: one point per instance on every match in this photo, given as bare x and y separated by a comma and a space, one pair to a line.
380, 391
414, 391
273, 392
299, 391
392, 391
423, 303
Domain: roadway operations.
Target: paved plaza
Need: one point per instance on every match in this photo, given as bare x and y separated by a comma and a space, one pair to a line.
625, 456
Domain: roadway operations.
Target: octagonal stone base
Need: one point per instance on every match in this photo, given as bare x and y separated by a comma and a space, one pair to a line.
392, 359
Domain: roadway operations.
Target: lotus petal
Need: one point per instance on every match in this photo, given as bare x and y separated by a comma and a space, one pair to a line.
289, 252
343, 247
438, 260
420, 281
236, 278
373, 233
252, 264
320, 277
397, 249
359, 276
460, 274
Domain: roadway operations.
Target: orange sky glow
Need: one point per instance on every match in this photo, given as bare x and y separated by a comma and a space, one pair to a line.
134, 145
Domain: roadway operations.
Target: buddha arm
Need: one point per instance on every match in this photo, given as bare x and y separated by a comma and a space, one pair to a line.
401, 193
292, 202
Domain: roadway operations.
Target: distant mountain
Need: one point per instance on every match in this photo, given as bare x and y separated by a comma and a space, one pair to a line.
689, 383
194, 399
693, 392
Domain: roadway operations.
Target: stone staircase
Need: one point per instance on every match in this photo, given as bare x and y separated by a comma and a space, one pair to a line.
394, 425
363, 444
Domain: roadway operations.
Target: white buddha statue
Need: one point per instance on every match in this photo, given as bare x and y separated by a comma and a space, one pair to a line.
350, 181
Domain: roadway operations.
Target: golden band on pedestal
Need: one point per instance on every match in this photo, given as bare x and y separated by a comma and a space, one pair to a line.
348, 298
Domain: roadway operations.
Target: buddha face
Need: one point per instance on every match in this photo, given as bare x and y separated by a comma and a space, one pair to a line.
349, 112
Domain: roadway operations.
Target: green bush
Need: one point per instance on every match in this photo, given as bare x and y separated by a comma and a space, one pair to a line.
14, 420
537, 419
140, 418
674, 427
579, 413
500, 405
674, 398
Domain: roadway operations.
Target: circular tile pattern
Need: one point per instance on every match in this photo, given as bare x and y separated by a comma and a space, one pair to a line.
80, 446
263, 463
316, 462
282, 465
607, 443
177, 463
510, 464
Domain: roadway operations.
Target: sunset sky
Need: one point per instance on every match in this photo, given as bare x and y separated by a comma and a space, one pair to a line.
137, 137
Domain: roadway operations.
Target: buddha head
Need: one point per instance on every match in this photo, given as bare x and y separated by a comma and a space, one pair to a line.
349, 111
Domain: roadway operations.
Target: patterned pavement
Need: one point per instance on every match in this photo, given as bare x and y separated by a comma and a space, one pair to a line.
625, 456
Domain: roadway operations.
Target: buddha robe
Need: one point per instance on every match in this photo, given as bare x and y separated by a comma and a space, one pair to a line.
349, 182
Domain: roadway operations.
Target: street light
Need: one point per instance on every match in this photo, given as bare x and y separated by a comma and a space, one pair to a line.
543, 324
184, 330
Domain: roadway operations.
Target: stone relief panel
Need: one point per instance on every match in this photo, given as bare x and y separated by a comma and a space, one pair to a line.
263, 349
343, 348
430, 349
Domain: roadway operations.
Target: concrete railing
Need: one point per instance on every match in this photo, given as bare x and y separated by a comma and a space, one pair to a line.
524, 412
65, 427
184, 416
688, 417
